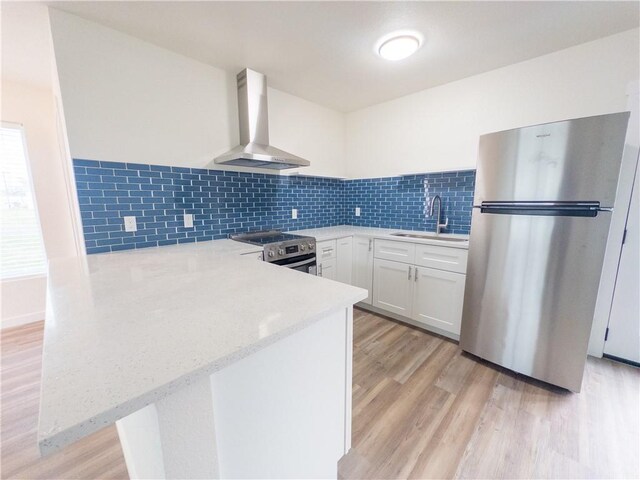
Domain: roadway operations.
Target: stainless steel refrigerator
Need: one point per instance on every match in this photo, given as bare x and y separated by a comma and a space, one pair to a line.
542, 208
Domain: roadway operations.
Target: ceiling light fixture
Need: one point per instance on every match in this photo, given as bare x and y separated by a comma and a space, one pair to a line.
399, 45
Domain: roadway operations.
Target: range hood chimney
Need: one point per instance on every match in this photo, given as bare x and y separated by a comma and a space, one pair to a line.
254, 149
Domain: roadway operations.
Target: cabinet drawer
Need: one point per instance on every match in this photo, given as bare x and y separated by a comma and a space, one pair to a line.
326, 250
395, 251
442, 258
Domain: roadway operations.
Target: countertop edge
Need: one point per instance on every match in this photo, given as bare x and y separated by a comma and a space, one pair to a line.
328, 233
59, 440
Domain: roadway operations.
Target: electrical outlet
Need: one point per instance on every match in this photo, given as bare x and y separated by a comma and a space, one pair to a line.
188, 220
130, 224
357, 211
294, 213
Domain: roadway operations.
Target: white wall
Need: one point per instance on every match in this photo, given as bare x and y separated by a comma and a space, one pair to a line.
437, 129
127, 100
24, 299
310, 131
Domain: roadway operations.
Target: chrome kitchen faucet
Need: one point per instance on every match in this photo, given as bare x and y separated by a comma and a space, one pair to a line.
446, 220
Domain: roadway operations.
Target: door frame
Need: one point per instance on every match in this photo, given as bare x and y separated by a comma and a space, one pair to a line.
630, 160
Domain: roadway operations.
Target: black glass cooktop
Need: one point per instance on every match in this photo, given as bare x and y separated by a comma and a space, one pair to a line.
265, 238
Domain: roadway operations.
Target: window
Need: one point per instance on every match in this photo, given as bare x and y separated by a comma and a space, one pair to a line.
21, 249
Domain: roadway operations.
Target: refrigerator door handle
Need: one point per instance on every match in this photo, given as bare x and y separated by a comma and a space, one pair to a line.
559, 209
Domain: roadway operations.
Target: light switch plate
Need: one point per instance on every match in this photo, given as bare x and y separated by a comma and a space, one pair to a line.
130, 224
188, 220
357, 211
294, 213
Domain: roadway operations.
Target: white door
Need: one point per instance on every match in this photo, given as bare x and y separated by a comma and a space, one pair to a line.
437, 298
393, 286
623, 339
362, 274
344, 254
327, 269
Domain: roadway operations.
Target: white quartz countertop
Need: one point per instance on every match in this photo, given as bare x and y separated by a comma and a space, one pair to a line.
125, 329
341, 231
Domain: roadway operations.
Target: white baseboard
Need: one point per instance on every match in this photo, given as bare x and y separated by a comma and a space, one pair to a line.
22, 319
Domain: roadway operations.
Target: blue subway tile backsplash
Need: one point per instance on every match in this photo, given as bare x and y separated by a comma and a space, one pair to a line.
403, 202
230, 202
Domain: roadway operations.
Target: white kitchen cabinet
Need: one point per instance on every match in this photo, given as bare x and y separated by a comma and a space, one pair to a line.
423, 283
327, 269
344, 258
335, 258
362, 273
393, 286
437, 298
395, 251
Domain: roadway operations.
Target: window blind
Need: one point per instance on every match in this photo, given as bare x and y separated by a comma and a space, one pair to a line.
21, 249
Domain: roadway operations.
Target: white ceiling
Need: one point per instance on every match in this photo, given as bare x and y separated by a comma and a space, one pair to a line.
323, 51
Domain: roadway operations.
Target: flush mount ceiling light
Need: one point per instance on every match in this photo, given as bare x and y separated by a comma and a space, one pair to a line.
399, 45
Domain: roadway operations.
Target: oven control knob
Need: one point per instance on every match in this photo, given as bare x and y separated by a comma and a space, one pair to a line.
280, 251
271, 253
311, 245
303, 248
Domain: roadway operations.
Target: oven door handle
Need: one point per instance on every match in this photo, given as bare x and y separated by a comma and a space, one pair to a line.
299, 264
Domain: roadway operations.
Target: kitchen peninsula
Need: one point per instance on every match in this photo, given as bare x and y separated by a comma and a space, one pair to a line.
212, 363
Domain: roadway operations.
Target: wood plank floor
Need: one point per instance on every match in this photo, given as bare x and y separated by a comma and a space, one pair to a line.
422, 409
96, 456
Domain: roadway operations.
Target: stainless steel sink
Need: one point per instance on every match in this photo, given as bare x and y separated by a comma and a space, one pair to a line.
428, 237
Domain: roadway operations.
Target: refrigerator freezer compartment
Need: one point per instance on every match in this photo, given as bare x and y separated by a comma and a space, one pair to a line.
562, 161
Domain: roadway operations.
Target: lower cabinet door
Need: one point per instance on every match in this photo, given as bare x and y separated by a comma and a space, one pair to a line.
393, 286
327, 269
438, 298
362, 273
344, 258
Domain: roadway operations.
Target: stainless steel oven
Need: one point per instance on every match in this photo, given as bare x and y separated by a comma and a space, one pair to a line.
304, 263
292, 251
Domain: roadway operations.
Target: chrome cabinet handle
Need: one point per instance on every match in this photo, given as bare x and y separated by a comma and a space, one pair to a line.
415, 277
409, 273
370, 242
320, 270
300, 264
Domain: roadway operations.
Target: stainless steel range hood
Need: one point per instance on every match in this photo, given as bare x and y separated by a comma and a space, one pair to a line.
254, 149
